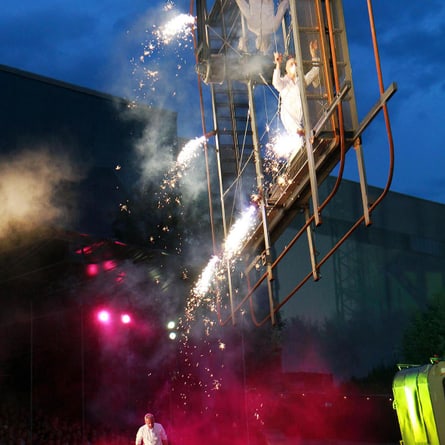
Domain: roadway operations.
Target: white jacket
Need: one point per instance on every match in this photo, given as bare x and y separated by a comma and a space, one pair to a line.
291, 111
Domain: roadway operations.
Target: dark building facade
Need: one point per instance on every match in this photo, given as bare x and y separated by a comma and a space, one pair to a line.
95, 138
370, 289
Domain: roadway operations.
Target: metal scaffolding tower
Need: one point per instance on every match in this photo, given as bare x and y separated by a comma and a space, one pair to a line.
237, 65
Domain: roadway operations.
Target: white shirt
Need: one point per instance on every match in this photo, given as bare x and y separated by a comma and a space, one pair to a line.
291, 111
151, 436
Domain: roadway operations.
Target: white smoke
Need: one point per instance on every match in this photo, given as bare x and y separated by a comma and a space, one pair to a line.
28, 185
155, 154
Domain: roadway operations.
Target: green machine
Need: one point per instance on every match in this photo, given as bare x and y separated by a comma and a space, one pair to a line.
419, 400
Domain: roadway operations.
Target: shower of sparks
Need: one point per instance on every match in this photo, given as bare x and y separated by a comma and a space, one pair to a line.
280, 151
284, 146
171, 41
178, 27
239, 232
189, 152
237, 235
174, 36
207, 276
201, 302
205, 297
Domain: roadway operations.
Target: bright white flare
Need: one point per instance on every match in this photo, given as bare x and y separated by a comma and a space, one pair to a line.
178, 26
239, 232
283, 146
206, 278
177, 33
189, 152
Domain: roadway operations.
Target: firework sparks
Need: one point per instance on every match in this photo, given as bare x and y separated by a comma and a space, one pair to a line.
149, 73
280, 151
176, 34
284, 146
207, 276
177, 27
200, 296
239, 233
169, 6
189, 152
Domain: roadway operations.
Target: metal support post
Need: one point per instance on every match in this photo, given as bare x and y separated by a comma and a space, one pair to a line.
262, 202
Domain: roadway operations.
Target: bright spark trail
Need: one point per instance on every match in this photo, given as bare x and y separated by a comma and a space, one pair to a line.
175, 34
197, 322
239, 233
202, 301
189, 152
207, 276
177, 27
283, 146
183, 162
237, 236
280, 151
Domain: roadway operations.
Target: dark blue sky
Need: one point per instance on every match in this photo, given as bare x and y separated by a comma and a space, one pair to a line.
98, 45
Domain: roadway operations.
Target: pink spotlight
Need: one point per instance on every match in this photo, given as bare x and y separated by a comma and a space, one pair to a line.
125, 319
104, 316
92, 269
109, 265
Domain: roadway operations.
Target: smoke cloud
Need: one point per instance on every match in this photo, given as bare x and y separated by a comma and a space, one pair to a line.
29, 182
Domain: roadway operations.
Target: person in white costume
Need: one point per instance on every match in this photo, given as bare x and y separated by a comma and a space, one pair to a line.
152, 433
261, 20
291, 110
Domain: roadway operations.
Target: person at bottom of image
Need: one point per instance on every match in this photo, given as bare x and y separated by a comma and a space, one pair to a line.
152, 433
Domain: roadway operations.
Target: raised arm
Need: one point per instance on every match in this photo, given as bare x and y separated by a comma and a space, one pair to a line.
277, 82
313, 75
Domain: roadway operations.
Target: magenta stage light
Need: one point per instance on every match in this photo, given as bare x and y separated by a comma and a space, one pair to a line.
92, 269
125, 318
109, 265
104, 316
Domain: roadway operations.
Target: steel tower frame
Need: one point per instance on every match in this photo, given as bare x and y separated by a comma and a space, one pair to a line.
240, 86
